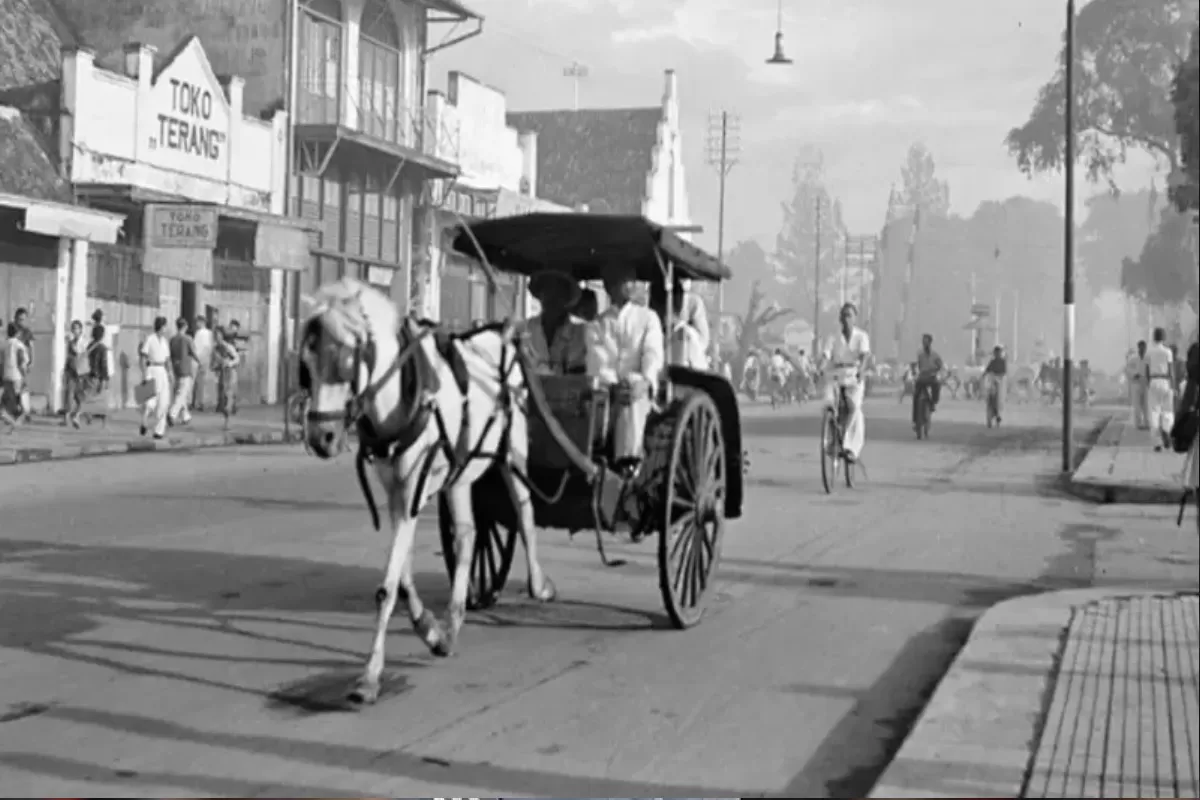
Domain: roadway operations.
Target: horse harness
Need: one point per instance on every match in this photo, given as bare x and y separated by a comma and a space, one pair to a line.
419, 385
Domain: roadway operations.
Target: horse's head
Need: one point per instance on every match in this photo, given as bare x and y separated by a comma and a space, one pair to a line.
348, 338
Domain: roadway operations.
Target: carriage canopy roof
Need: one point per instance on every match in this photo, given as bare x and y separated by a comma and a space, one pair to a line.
585, 246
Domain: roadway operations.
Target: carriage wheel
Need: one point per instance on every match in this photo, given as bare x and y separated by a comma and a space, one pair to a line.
495, 544
693, 509
830, 441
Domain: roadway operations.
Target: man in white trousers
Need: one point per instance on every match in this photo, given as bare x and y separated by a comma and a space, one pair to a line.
1160, 389
155, 355
845, 361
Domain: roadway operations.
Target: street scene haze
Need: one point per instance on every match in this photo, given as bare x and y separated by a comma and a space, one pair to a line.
580, 398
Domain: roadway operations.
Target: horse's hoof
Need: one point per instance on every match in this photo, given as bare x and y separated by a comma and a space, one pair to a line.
443, 647
365, 692
548, 593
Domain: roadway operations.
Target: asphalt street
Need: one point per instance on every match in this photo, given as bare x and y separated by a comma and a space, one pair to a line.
179, 624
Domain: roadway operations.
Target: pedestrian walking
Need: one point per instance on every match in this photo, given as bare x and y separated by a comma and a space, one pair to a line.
14, 366
155, 354
241, 346
98, 361
225, 363
21, 320
183, 366
202, 341
1135, 371
1160, 393
75, 374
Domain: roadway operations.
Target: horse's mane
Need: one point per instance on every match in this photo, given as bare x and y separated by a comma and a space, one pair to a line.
349, 309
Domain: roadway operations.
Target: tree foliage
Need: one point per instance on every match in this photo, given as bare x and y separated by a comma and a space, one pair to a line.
1126, 53
919, 184
809, 213
1114, 228
751, 267
1186, 96
1165, 272
749, 327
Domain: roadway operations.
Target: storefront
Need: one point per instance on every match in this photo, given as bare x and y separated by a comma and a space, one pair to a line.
202, 188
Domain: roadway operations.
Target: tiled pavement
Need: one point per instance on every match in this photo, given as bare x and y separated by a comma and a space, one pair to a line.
46, 438
1122, 467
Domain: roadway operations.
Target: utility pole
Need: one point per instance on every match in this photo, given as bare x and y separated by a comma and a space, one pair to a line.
576, 72
862, 282
817, 284
1016, 326
1068, 371
724, 146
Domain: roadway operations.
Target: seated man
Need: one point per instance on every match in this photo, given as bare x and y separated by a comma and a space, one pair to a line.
556, 343
929, 368
845, 359
626, 351
687, 342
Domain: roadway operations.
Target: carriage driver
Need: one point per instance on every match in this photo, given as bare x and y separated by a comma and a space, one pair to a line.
557, 344
845, 359
626, 350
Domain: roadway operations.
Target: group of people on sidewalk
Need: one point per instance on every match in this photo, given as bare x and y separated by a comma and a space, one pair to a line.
175, 369
1156, 379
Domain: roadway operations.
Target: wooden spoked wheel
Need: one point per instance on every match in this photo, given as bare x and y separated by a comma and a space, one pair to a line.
495, 543
693, 510
831, 443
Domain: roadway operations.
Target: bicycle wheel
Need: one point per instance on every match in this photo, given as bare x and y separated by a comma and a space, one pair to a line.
831, 439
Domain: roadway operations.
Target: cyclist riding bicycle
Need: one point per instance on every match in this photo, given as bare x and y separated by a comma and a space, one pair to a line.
929, 368
845, 358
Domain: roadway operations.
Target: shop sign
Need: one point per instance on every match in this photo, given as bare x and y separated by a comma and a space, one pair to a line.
188, 121
181, 225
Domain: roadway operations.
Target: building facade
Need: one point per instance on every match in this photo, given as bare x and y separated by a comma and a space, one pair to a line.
498, 178
201, 184
44, 242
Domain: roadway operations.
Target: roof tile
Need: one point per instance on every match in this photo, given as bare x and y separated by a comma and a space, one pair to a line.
601, 157
25, 167
32, 35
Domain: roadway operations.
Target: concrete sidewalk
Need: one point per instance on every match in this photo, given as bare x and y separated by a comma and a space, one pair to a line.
1122, 467
47, 439
1088, 692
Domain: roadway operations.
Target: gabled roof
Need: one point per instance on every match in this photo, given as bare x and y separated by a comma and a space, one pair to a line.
32, 37
25, 166
598, 157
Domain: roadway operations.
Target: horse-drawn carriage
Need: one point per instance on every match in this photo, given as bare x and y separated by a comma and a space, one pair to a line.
689, 480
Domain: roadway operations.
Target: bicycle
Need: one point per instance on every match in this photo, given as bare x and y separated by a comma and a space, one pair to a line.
833, 449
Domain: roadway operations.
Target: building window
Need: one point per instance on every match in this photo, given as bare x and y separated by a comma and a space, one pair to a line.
320, 34
379, 72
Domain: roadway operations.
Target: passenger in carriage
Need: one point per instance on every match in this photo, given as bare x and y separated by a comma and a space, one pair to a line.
625, 350
557, 344
688, 339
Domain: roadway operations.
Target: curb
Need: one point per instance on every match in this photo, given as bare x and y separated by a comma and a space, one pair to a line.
979, 731
1098, 491
63, 452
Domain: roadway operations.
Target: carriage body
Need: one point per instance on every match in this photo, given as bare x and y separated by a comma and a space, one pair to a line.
688, 482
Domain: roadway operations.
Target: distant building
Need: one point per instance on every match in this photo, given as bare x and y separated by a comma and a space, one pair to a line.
498, 179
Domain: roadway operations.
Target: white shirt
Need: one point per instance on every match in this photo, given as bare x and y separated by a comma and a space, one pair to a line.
156, 350
204, 345
1159, 358
626, 342
842, 354
16, 359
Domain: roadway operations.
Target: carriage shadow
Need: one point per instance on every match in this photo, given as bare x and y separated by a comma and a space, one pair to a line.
62, 601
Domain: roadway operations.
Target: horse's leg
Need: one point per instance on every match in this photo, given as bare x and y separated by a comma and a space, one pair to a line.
397, 583
459, 500
540, 586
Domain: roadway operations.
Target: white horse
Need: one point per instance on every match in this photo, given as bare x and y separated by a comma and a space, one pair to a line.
434, 414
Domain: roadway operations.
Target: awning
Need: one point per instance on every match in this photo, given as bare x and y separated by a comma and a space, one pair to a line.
511, 204
62, 220
452, 7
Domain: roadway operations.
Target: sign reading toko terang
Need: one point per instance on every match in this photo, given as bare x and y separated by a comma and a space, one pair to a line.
188, 125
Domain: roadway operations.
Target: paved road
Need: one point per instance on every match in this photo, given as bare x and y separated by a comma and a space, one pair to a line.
162, 614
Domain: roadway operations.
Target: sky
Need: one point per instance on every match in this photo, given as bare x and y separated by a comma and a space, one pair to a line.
870, 78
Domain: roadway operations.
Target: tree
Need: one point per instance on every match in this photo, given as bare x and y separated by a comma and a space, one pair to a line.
1126, 52
1186, 96
919, 186
810, 211
750, 327
1115, 228
1164, 273
751, 267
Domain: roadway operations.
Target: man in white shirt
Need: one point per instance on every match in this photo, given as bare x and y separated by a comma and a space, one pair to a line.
1160, 389
626, 351
845, 359
1135, 373
155, 355
202, 339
